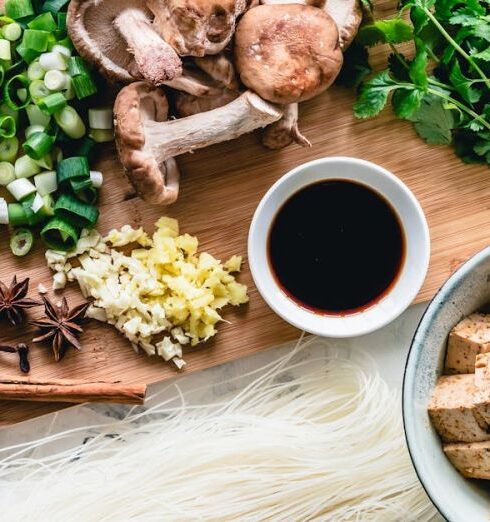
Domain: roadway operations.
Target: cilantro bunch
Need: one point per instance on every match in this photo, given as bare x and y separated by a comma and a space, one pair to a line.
445, 88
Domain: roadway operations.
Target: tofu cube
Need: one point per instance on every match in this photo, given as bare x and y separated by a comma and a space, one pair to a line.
451, 409
472, 459
481, 400
467, 339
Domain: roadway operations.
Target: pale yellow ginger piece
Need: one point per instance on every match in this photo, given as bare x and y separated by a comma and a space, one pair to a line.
163, 288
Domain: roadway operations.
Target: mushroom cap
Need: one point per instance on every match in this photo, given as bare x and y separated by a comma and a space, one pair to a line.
135, 104
347, 14
287, 53
92, 31
197, 27
95, 28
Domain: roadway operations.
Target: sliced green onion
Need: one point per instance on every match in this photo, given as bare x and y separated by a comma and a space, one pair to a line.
46, 162
33, 218
57, 80
17, 214
12, 32
48, 207
35, 71
76, 66
18, 8
35, 40
43, 22
38, 145
70, 122
102, 135
59, 234
46, 182
21, 188
100, 118
37, 203
53, 103
69, 92
38, 90
57, 154
25, 167
13, 85
84, 86
21, 242
63, 50
5, 109
33, 129
75, 211
5, 53
53, 60
84, 190
7, 173
22, 94
97, 178
16, 68
4, 212
9, 149
85, 147
28, 55
54, 5
76, 167
61, 21
8, 127
37, 116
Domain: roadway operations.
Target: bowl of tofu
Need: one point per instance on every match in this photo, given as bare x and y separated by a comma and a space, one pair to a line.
446, 395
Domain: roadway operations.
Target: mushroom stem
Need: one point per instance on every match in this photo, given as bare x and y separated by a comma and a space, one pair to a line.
243, 115
155, 59
285, 131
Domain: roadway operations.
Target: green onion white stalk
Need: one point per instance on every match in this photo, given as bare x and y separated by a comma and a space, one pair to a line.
5, 53
46, 182
4, 212
33, 129
37, 203
100, 118
53, 60
25, 167
7, 173
61, 49
12, 32
56, 80
9, 149
35, 71
71, 123
21, 188
97, 178
36, 116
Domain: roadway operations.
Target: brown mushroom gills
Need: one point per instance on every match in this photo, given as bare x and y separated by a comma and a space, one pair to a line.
118, 38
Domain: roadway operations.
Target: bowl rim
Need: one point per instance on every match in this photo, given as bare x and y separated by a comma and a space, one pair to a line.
362, 323
409, 371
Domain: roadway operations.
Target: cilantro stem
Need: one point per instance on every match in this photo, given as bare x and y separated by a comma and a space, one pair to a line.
460, 106
456, 46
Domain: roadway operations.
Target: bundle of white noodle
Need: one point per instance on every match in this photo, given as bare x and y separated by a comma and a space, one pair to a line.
317, 438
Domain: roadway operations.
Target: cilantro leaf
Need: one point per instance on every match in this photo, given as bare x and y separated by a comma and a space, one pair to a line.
391, 31
374, 95
433, 122
482, 55
463, 85
418, 67
406, 102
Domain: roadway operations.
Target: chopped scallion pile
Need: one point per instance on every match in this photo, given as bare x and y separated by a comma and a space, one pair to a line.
48, 129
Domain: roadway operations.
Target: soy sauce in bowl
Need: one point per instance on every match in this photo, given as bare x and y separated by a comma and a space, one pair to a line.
336, 247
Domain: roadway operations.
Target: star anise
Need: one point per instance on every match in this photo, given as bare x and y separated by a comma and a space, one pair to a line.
13, 301
61, 326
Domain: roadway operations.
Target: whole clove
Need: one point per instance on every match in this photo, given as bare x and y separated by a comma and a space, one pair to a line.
22, 350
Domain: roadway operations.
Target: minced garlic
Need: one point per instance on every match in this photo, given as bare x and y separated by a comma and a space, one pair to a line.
163, 288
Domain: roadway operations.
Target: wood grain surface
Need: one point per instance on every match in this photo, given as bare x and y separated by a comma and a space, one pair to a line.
221, 188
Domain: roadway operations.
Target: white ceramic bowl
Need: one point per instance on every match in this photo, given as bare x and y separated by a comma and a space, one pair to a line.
466, 291
412, 274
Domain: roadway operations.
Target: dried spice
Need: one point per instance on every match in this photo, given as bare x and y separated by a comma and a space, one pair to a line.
13, 301
22, 350
61, 326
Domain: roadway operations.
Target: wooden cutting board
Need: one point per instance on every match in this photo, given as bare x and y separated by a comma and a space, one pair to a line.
221, 188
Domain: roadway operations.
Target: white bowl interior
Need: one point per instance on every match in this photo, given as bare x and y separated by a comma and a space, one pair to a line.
468, 290
409, 280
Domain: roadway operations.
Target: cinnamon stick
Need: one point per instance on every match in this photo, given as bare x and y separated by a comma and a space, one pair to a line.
75, 391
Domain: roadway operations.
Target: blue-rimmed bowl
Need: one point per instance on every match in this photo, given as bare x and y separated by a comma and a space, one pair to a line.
466, 291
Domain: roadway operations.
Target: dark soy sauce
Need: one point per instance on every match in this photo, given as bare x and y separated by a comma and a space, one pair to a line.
336, 247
